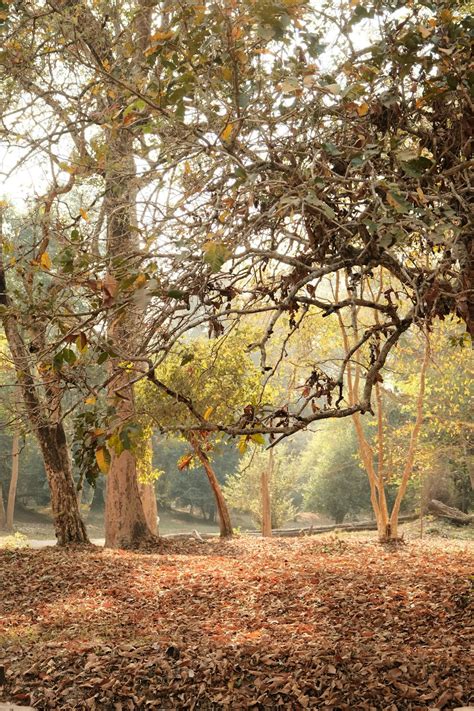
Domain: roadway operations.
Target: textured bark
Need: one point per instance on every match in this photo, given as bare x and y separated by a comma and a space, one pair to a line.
125, 519
225, 523
450, 513
13, 480
150, 508
68, 524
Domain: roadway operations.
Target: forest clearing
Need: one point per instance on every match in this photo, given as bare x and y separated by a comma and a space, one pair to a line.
236, 372
306, 623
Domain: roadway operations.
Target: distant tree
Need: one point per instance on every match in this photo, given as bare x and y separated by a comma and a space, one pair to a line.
243, 489
336, 484
221, 381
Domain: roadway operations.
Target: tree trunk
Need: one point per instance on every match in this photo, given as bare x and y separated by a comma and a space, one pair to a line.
150, 508
125, 520
224, 516
2, 509
450, 513
68, 524
13, 480
265, 494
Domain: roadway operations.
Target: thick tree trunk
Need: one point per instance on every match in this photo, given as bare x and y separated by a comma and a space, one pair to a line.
125, 520
450, 513
14, 480
150, 508
68, 524
224, 516
266, 501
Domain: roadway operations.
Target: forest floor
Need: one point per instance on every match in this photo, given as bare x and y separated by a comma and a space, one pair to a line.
318, 622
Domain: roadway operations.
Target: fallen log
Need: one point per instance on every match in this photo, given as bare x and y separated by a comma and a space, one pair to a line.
450, 513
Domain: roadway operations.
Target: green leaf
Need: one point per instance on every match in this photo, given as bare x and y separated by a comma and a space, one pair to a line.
419, 166
215, 254
176, 294
258, 438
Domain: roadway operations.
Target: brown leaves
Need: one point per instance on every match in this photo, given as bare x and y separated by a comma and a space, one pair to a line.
312, 623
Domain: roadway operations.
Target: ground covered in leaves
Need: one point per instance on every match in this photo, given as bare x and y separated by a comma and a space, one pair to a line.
291, 624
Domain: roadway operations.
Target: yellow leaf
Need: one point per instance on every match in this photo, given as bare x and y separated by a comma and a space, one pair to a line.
91, 400
84, 214
161, 36
208, 412
258, 438
102, 458
81, 342
226, 133
187, 168
242, 444
45, 261
3, 203
227, 73
140, 281
363, 109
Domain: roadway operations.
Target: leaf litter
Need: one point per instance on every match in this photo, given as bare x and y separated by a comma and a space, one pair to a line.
248, 623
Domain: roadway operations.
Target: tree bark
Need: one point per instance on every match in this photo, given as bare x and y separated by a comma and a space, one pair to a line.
68, 524
450, 513
14, 480
125, 520
265, 494
150, 508
224, 516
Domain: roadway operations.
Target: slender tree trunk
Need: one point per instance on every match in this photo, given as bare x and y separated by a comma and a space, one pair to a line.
224, 516
407, 472
13, 480
265, 494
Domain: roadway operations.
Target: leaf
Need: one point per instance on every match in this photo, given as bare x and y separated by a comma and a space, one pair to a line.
102, 457
184, 461
242, 444
216, 254
258, 438
140, 281
91, 400
45, 261
398, 202
161, 36
208, 412
363, 109
227, 133
176, 294
81, 342
84, 214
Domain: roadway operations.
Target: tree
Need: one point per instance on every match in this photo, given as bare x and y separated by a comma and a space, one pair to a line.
336, 485
337, 172
221, 380
444, 458
43, 413
243, 489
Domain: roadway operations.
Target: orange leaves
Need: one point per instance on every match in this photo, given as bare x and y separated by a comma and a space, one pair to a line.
185, 461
